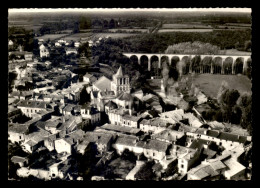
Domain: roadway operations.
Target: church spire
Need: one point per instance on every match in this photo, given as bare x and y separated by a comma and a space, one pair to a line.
119, 72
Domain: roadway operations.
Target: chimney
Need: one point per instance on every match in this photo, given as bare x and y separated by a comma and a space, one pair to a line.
205, 131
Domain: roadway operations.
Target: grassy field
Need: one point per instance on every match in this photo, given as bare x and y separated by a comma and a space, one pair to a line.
185, 26
210, 83
184, 30
235, 52
51, 36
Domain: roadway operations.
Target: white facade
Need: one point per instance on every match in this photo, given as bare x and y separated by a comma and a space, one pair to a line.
62, 146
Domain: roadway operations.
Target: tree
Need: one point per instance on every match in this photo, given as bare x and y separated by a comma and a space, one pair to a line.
248, 45
146, 172
86, 162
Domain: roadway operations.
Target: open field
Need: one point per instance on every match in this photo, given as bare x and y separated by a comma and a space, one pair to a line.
94, 36
128, 30
210, 83
185, 26
184, 30
235, 52
51, 36
115, 35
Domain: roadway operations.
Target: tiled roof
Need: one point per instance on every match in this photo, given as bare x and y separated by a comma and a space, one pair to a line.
32, 104
18, 128
157, 145
120, 128
213, 133
199, 143
232, 137
131, 118
103, 83
169, 135
125, 96
98, 137
18, 159
111, 104
124, 140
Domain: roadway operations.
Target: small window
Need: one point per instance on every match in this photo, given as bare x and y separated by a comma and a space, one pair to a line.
182, 166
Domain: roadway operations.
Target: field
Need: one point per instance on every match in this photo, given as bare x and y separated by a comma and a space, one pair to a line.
184, 30
51, 36
94, 36
235, 52
210, 83
128, 30
185, 26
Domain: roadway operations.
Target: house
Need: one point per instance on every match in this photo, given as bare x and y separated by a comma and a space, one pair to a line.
235, 170
89, 78
22, 161
57, 44
28, 56
90, 113
76, 44
49, 142
121, 129
127, 142
10, 43
131, 121
64, 145
17, 132
115, 116
34, 140
44, 51
170, 136
207, 171
186, 157
154, 125
29, 107
156, 149
71, 51
101, 140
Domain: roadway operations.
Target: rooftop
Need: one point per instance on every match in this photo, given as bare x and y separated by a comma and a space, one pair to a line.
18, 128
120, 128
157, 145
103, 83
32, 104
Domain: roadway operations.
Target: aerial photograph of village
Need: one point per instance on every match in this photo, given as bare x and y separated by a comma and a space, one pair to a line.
129, 94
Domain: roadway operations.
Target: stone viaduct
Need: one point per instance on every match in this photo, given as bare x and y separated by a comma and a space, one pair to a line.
244, 59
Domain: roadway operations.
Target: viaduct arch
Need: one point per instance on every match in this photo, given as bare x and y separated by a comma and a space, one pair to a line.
231, 59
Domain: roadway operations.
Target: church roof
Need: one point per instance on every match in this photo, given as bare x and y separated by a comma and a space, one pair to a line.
119, 72
125, 96
111, 104
103, 83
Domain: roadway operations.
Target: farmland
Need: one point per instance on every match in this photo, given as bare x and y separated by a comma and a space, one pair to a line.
210, 83
184, 30
51, 36
185, 26
94, 36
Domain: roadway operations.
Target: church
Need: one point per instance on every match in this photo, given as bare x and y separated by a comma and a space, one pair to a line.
116, 90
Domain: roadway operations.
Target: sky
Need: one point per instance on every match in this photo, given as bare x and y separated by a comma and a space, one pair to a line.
244, 10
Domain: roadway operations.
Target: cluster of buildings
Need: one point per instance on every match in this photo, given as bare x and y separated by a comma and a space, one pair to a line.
175, 140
